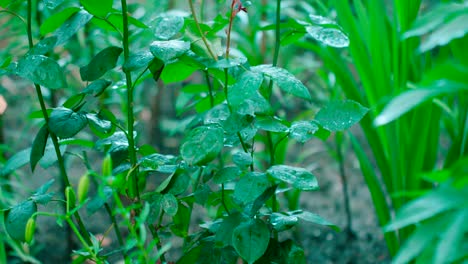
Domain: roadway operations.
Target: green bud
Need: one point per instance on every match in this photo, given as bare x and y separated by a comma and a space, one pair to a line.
83, 187
107, 166
29, 231
71, 198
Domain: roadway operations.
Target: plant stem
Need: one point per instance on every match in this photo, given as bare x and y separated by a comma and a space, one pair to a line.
116, 228
55, 142
205, 41
344, 181
130, 103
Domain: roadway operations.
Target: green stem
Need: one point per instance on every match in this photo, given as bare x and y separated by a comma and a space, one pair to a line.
116, 228
130, 103
205, 41
55, 142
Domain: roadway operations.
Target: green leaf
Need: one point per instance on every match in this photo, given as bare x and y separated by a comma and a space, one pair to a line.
52, 4
176, 72
453, 236
97, 87
156, 67
251, 186
444, 23
57, 19
17, 217
285, 80
251, 239
282, 222
226, 174
261, 200
303, 131
38, 147
168, 51
138, 61
104, 61
50, 157
223, 236
166, 26
101, 125
41, 70
329, 36
44, 46
202, 145
41, 196
340, 115
299, 178
409, 100
98, 8
66, 123
244, 96
71, 26
228, 63
242, 159
16, 161
181, 221
421, 238
272, 124
169, 204
434, 203
314, 218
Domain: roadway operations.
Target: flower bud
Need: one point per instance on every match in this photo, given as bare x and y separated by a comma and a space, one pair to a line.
83, 187
29, 231
107, 166
70, 197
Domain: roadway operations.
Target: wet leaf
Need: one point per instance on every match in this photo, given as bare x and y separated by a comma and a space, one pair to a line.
244, 96
285, 80
97, 87
71, 26
167, 51
228, 63
223, 236
251, 186
271, 124
44, 46
102, 125
282, 222
329, 36
202, 145
242, 159
314, 218
41, 196
52, 4
167, 26
41, 70
104, 61
17, 218
303, 131
299, 178
38, 147
226, 174
340, 115
169, 204
66, 123
251, 239
138, 61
